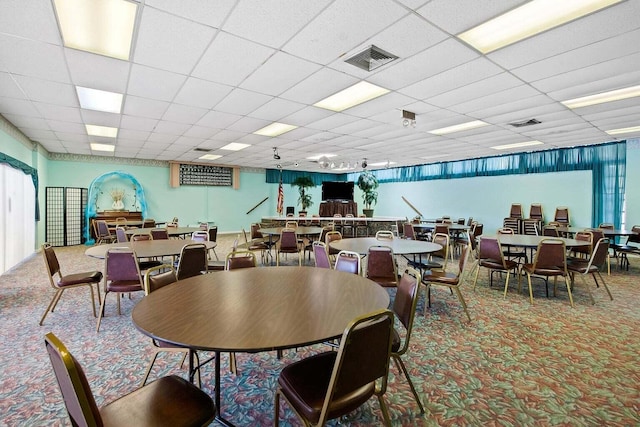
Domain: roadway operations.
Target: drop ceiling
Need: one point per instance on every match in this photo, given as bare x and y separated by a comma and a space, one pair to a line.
203, 74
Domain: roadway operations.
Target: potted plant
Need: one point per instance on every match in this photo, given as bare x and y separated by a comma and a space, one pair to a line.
304, 182
368, 183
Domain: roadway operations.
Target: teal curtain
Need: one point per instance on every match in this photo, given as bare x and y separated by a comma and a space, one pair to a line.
607, 162
28, 170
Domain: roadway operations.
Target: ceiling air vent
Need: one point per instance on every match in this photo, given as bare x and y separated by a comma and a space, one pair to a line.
371, 58
202, 150
523, 123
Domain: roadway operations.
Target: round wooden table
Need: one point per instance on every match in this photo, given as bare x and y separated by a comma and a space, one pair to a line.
529, 241
301, 230
171, 231
361, 245
146, 248
256, 309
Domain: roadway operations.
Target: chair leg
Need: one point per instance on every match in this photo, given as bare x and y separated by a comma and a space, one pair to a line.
605, 285
475, 279
149, 366
506, 285
462, 301
385, 410
586, 285
403, 369
93, 300
530, 288
56, 296
101, 313
566, 281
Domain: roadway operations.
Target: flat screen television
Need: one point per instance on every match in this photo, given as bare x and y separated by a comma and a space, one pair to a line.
337, 190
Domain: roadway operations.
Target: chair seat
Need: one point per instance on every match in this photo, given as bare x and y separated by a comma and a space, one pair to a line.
581, 266
388, 282
543, 271
441, 277
497, 264
305, 385
124, 286
168, 401
145, 265
215, 265
79, 278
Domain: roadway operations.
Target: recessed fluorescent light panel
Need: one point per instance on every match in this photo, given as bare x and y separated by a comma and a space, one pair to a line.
459, 128
97, 26
352, 96
319, 156
102, 147
275, 129
599, 98
105, 131
527, 20
235, 146
623, 130
99, 100
210, 157
516, 145
382, 164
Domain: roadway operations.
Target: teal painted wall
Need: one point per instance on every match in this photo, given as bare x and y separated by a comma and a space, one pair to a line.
15, 149
632, 186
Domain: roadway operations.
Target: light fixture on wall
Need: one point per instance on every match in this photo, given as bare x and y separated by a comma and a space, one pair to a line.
408, 118
276, 156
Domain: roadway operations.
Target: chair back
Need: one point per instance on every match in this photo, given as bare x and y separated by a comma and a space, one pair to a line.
348, 261
321, 255
291, 224
478, 229
102, 228
550, 231
381, 265
600, 253
363, 357
200, 236
408, 231
159, 233
121, 236
551, 254
442, 228
505, 231
442, 239
149, 223
516, 210
158, 277
330, 237
51, 261
562, 215
597, 234
193, 260
121, 221
121, 264
584, 236
405, 302
490, 249
606, 226
535, 211
213, 233
203, 226
240, 259
141, 237
288, 239
635, 237
172, 225
384, 235
255, 234
76, 392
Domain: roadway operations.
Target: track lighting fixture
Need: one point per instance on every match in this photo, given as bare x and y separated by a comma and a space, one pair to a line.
364, 163
276, 156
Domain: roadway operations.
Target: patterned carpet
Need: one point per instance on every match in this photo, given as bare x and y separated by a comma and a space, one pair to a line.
515, 364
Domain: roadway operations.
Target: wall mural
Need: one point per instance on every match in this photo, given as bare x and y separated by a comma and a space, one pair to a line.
119, 191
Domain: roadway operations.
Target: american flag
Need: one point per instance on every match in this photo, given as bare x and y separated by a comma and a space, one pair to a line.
280, 206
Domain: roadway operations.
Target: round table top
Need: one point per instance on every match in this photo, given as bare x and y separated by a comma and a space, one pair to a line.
146, 248
171, 231
361, 245
129, 222
529, 241
608, 232
301, 230
257, 309
452, 227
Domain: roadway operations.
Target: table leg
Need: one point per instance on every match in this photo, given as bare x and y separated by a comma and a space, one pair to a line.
219, 417
192, 371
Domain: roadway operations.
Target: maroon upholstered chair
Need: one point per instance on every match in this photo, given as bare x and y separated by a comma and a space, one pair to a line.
168, 401
450, 280
103, 234
329, 385
154, 279
288, 244
381, 266
404, 308
121, 235
193, 260
147, 263
122, 275
348, 261
408, 232
592, 266
60, 282
491, 256
321, 255
329, 237
550, 261
240, 259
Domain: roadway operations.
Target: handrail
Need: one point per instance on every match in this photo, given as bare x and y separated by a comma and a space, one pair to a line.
259, 203
411, 206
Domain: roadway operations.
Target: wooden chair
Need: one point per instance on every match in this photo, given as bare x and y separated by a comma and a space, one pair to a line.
60, 282
332, 384
121, 275
169, 401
